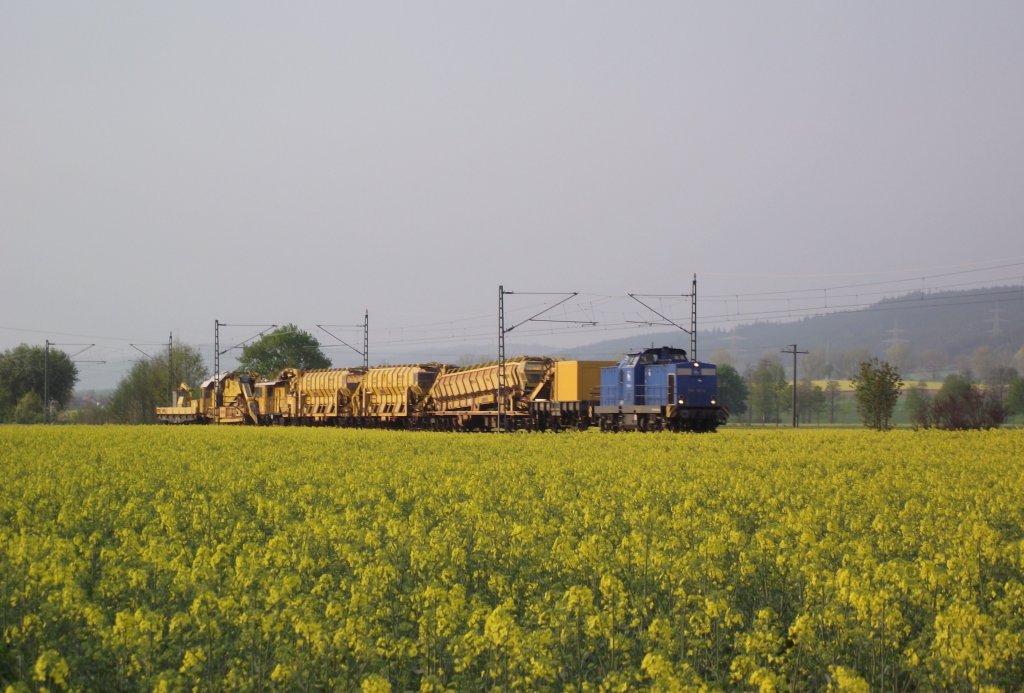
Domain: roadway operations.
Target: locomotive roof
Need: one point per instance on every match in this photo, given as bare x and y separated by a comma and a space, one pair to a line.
660, 354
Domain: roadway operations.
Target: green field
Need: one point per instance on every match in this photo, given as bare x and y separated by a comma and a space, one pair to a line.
180, 558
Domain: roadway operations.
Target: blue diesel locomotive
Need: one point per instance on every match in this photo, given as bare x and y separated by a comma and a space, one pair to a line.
660, 388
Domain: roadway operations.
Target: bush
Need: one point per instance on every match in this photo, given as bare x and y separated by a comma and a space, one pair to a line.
29, 409
1015, 396
918, 406
960, 405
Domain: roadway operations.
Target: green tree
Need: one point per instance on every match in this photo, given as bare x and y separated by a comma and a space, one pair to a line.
285, 347
918, 405
810, 401
846, 364
29, 409
832, 390
899, 355
732, 390
998, 380
1015, 396
933, 362
722, 357
955, 402
816, 365
148, 384
984, 361
960, 404
25, 368
767, 382
877, 388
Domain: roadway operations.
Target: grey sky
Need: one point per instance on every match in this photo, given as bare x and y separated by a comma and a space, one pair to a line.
166, 164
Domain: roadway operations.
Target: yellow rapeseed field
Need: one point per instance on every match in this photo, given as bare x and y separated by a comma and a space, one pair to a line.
298, 559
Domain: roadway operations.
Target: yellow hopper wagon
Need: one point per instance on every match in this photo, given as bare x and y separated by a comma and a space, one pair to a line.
392, 395
467, 398
320, 396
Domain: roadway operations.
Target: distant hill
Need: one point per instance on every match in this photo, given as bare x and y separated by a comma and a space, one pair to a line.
952, 322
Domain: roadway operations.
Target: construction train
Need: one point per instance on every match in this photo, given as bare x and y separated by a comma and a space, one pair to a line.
656, 389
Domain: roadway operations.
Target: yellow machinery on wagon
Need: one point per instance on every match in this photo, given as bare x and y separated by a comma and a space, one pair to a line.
536, 392
389, 393
309, 397
470, 394
228, 399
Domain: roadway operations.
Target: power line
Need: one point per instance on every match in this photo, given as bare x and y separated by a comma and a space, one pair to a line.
917, 278
914, 272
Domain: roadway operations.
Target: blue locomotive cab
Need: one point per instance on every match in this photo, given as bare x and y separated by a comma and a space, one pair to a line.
660, 388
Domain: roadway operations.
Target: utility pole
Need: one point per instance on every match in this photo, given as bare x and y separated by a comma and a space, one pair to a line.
692, 332
693, 320
216, 365
46, 383
793, 350
218, 352
366, 339
365, 353
170, 367
46, 371
500, 394
502, 331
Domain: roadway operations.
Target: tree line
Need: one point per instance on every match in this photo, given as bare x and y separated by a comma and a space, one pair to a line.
763, 395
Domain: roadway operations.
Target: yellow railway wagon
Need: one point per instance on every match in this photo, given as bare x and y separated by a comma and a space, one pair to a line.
394, 391
322, 393
578, 381
184, 410
473, 388
236, 404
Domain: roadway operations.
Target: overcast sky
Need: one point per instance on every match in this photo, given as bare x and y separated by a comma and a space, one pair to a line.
166, 164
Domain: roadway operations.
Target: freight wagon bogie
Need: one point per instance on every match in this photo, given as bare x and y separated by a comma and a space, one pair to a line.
560, 416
